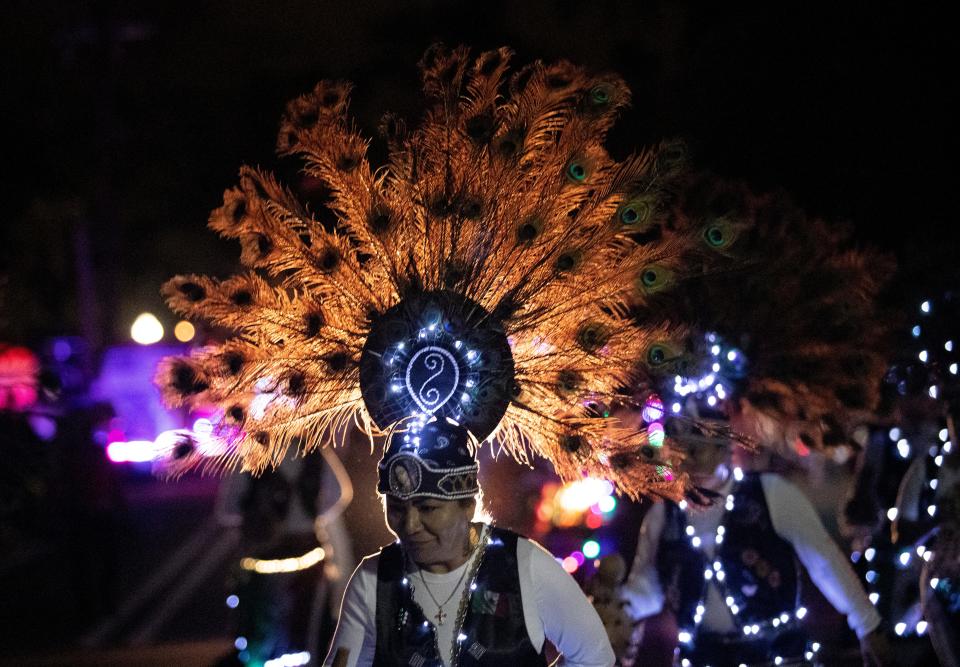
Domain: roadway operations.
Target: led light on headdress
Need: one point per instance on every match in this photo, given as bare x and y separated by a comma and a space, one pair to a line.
437, 354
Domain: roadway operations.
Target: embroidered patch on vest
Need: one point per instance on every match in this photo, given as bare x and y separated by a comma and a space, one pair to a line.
476, 650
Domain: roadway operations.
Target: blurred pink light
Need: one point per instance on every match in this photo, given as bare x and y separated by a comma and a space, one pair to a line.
132, 451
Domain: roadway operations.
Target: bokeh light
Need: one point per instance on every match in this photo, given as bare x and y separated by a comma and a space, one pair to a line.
146, 329
184, 331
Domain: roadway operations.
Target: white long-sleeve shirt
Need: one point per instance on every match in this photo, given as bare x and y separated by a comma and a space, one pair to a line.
795, 520
554, 608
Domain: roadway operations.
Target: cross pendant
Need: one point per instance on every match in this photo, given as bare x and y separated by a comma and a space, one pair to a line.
440, 616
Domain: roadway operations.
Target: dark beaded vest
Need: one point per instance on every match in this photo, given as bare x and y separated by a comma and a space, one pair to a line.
760, 568
494, 626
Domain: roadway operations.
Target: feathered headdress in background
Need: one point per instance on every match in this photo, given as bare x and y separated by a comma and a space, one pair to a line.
793, 340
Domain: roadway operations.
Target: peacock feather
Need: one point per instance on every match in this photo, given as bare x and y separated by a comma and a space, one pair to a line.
498, 227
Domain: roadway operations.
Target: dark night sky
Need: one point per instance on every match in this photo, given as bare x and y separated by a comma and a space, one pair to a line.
134, 116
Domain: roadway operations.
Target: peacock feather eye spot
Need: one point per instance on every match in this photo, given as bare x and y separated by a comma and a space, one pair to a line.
572, 443
242, 298
649, 277
234, 362
508, 147
185, 380
182, 449
576, 172
239, 210
516, 390
629, 215
480, 127
566, 262
568, 381
715, 236
471, 209
337, 361
490, 63
296, 384
600, 95
309, 118
648, 452
620, 461
305, 239
592, 336
262, 438
236, 414
657, 355
348, 162
193, 291
315, 322
527, 232
330, 99
329, 260
264, 245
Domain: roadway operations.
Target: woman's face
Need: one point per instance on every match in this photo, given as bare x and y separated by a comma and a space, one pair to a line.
432, 531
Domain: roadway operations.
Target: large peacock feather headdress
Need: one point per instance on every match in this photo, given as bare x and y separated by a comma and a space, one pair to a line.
497, 272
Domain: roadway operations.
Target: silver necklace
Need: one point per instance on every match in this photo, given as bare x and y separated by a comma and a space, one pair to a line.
440, 615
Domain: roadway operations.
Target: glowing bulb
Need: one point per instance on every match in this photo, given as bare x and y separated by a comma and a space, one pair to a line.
944, 434
904, 558
708, 574
695, 541
894, 434
715, 368
921, 627
923, 356
233, 601
925, 307
184, 331
948, 346
591, 549
874, 598
892, 514
869, 554
715, 350
711, 401
931, 509
932, 391
801, 612
953, 369
915, 331
675, 407
738, 474
570, 564
900, 628
903, 448
146, 329
871, 576
240, 643
690, 531
684, 637
934, 582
